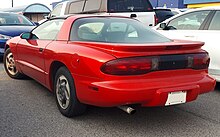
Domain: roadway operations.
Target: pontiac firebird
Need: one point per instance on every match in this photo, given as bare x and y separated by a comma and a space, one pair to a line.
108, 61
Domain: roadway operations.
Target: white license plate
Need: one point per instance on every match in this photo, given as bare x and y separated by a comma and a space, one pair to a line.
174, 98
2, 50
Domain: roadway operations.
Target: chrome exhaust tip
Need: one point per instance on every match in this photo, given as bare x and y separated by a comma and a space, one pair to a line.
127, 109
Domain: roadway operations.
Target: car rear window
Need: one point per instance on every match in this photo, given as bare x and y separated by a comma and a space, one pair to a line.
129, 6
114, 30
163, 11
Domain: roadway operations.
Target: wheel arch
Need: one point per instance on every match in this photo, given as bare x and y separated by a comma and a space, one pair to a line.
6, 47
55, 65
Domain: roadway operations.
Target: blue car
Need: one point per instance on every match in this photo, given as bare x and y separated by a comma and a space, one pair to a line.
12, 25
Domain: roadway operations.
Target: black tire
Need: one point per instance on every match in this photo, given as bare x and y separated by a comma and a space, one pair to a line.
11, 71
64, 83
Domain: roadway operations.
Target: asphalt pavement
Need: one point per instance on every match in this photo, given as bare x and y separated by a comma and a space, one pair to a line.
27, 109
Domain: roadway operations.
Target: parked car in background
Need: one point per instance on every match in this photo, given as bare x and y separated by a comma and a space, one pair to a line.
108, 61
139, 9
162, 14
176, 11
199, 25
12, 25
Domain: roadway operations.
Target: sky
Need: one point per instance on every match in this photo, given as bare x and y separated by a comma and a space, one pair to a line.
8, 3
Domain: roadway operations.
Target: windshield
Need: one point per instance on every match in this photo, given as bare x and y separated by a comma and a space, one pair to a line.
8, 19
129, 6
114, 30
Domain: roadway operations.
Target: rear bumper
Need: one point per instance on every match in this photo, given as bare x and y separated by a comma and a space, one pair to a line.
147, 92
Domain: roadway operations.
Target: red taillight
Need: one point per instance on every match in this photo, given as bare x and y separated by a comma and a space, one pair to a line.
156, 20
143, 65
201, 61
127, 66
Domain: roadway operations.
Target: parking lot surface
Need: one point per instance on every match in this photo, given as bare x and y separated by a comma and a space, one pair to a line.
27, 109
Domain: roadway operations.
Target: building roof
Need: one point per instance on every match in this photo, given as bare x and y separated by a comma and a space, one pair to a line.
32, 8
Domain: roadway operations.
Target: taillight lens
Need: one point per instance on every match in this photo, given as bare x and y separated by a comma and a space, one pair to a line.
143, 65
127, 66
201, 61
156, 20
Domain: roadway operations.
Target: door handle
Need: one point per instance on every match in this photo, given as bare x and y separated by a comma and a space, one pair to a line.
41, 49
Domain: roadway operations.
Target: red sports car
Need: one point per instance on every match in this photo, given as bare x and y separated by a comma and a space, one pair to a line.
108, 61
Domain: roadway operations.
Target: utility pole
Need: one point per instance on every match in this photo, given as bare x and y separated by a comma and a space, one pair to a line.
12, 3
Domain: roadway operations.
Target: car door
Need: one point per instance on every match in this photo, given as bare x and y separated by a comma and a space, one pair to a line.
187, 26
211, 38
31, 54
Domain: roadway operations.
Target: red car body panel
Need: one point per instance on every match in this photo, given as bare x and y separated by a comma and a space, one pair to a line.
36, 58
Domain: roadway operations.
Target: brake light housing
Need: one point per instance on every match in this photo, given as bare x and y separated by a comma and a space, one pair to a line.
127, 66
156, 20
143, 65
201, 61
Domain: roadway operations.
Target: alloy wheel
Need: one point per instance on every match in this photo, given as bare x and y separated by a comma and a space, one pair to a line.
63, 92
10, 64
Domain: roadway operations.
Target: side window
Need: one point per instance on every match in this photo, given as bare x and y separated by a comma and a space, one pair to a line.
57, 10
76, 7
215, 25
48, 30
92, 5
190, 21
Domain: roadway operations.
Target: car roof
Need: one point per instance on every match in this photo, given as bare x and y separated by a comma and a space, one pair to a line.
203, 8
8, 13
86, 15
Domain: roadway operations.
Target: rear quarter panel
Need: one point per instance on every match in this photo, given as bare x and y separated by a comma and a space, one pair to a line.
80, 60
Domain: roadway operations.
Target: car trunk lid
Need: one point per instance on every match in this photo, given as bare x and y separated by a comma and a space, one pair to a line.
150, 49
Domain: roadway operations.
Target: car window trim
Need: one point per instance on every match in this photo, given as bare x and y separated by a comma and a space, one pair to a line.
204, 22
209, 20
58, 18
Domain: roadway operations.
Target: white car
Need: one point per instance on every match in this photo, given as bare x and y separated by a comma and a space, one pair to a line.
139, 9
178, 11
201, 24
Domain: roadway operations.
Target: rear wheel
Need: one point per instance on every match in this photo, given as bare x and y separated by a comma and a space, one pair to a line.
66, 98
9, 64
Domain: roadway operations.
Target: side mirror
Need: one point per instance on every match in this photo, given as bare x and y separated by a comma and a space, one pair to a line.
26, 35
163, 26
